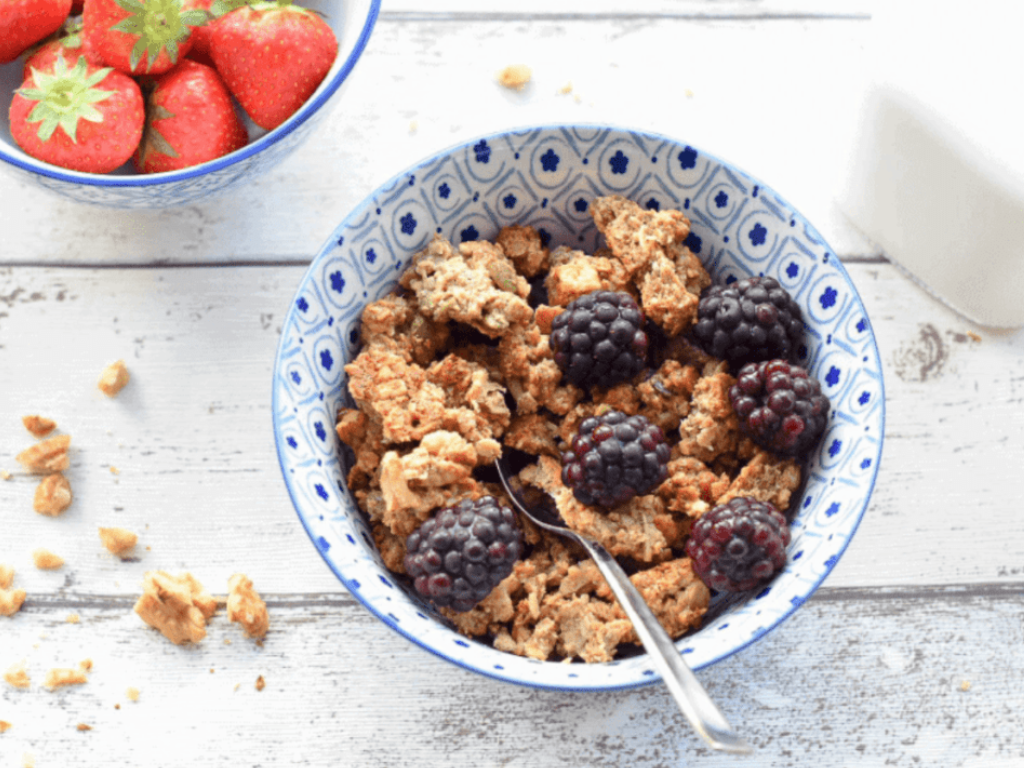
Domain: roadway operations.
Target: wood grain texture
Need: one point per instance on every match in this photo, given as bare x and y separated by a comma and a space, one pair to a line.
426, 84
917, 679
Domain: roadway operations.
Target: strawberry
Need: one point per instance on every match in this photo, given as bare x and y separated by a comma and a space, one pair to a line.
70, 43
25, 22
143, 36
272, 55
190, 119
86, 118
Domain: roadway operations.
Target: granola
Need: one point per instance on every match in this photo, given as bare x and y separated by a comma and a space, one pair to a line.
247, 607
113, 379
178, 606
456, 369
53, 495
45, 560
118, 541
40, 426
46, 456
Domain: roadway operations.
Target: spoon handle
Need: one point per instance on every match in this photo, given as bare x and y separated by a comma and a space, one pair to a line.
684, 686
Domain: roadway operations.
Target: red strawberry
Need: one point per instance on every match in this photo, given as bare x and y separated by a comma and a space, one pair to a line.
70, 44
86, 118
190, 119
24, 22
143, 36
272, 57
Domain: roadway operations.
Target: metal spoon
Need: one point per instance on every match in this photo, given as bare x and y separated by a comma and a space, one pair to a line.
684, 686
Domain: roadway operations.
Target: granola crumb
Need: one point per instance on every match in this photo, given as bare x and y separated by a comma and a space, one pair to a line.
11, 601
53, 495
17, 676
28, 761
965, 685
114, 470
515, 77
5, 475
45, 560
47, 456
132, 694
4, 726
247, 607
85, 665
260, 683
39, 426
73, 618
117, 706
227, 641
565, 89
83, 727
973, 336
59, 677
177, 606
118, 540
6, 576
113, 379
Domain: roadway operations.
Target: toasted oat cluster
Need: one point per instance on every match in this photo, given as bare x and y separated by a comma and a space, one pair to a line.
456, 368
178, 606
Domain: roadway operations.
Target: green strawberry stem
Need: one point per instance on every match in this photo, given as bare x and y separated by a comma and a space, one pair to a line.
64, 97
159, 25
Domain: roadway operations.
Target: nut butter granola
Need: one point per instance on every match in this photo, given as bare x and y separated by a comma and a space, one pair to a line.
457, 369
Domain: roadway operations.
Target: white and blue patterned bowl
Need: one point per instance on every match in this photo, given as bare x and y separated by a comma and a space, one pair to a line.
352, 22
547, 177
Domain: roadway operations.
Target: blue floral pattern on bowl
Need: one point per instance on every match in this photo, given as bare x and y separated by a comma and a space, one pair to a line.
547, 177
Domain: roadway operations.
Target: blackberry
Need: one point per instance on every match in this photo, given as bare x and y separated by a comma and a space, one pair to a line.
751, 320
463, 551
598, 339
738, 545
780, 406
613, 458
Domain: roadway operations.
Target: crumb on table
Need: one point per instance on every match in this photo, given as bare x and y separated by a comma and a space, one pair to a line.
72, 618
515, 76
58, 677
53, 495
4, 726
39, 426
132, 694
260, 683
177, 606
114, 378
11, 601
17, 676
47, 456
247, 607
45, 560
6, 576
118, 540
83, 727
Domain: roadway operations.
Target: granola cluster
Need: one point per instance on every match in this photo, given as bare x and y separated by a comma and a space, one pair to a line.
456, 368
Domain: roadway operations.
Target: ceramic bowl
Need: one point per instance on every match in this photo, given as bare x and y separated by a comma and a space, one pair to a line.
352, 22
547, 176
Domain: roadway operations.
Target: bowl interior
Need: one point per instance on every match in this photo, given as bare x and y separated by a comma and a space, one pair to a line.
352, 22
546, 177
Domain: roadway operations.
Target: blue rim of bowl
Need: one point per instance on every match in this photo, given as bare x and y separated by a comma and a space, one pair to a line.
306, 111
654, 678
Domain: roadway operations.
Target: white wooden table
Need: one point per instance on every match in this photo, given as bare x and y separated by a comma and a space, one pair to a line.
910, 653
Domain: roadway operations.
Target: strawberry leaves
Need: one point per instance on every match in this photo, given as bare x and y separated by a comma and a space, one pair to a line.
158, 25
64, 97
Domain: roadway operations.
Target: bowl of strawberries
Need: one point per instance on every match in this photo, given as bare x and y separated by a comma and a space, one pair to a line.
156, 103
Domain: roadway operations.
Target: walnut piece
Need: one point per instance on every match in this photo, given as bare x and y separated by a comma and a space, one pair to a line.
45, 560
247, 607
17, 677
60, 677
177, 606
118, 540
46, 456
39, 426
113, 379
53, 495
11, 601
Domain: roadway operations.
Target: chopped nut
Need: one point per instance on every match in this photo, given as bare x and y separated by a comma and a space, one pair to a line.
45, 560
132, 694
118, 540
53, 495
113, 378
515, 76
11, 601
246, 606
46, 456
260, 683
6, 576
83, 727
38, 425
60, 677
17, 677
4, 726
178, 606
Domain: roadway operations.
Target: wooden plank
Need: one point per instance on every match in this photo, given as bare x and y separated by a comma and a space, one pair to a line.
868, 678
768, 97
198, 476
